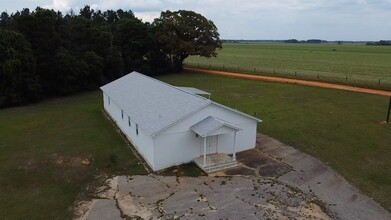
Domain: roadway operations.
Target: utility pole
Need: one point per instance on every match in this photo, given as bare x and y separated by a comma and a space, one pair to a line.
389, 109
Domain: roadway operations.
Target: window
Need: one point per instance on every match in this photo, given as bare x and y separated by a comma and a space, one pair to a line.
137, 129
129, 121
122, 114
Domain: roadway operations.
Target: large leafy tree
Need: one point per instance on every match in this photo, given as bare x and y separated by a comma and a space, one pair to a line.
183, 33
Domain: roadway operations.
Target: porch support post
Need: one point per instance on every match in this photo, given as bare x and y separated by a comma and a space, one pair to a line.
204, 151
234, 153
217, 145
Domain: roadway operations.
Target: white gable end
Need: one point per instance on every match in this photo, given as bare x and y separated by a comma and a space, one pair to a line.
210, 110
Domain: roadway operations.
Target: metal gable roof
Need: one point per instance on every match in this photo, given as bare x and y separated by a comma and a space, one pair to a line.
152, 104
193, 90
155, 105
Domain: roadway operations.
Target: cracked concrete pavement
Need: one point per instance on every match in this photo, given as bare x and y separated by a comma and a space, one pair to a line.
160, 197
343, 200
297, 186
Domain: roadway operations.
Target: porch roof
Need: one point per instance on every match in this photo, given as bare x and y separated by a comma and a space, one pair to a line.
211, 124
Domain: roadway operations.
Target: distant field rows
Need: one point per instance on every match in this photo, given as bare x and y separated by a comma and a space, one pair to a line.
348, 64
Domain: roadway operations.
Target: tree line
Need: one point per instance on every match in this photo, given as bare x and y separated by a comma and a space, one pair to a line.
381, 43
44, 53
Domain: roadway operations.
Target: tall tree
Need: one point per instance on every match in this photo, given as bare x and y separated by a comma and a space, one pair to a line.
183, 33
131, 37
19, 83
4, 20
40, 29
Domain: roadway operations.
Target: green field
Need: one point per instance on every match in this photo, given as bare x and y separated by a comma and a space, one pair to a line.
347, 63
50, 152
341, 128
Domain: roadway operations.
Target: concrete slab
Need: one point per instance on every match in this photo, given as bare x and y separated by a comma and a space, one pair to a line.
158, 197
311, 175
261, 163
240, 171
309, 189
103, 209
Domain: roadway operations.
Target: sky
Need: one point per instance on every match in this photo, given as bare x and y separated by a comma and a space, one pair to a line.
358, 20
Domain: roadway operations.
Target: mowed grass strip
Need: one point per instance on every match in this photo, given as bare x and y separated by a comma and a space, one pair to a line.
361, 64
50, 153
343, 129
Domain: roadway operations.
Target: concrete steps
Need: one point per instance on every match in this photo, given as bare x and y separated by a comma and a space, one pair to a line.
217, 167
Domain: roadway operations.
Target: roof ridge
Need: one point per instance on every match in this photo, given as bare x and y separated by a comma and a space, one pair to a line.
237, 111
172, 86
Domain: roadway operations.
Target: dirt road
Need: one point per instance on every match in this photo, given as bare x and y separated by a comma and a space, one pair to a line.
292, 81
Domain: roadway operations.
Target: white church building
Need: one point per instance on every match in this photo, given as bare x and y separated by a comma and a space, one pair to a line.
171, 125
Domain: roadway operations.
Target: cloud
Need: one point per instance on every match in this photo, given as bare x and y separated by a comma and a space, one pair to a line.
60, 5
134, 5
255, 19
147, 16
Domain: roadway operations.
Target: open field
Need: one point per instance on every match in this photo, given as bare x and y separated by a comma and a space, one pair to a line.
50, 152
341, 128
359, 65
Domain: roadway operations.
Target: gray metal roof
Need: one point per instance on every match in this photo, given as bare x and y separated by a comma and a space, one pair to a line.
210, 124
155, 105
152, 104
193, 90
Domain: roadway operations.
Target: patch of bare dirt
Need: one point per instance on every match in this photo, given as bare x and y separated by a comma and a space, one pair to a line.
28, 165
62, 161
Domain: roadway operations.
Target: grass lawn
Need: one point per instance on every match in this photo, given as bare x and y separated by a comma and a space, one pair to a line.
51, 151
363, 65
341, 128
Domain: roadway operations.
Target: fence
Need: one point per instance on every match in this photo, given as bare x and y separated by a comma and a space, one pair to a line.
383, 83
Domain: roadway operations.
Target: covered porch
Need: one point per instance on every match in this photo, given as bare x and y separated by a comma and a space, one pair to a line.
211, 160
215, 162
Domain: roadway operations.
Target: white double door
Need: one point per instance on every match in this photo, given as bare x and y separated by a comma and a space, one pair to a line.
211, 144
